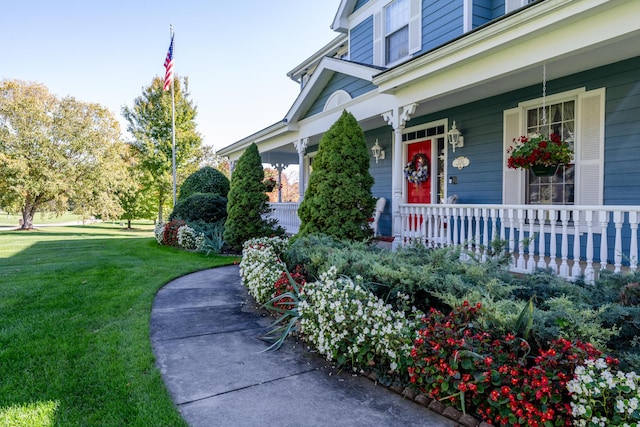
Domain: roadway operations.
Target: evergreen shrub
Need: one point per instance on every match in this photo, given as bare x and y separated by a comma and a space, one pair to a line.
338, 201
205, 180
248, 203
205, 207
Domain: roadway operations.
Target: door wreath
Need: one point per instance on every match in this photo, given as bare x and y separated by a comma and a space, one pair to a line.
417, 170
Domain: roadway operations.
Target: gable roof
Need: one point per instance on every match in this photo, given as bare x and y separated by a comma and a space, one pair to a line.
326, 69
341, 20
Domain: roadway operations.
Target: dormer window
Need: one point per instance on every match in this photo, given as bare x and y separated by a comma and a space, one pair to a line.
397, 16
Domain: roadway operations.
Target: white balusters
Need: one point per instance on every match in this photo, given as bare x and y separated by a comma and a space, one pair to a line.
604, 250
617, 256
633, 250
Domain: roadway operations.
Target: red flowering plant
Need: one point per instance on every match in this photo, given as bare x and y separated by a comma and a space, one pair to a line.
537, 149
284, 288
170, 234
457, 362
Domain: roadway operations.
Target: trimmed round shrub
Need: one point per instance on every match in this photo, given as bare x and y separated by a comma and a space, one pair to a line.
205, 180
205, 207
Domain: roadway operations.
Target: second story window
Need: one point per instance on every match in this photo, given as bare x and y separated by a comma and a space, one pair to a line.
396, 30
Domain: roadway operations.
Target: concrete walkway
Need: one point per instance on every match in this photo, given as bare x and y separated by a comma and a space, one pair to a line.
205, 333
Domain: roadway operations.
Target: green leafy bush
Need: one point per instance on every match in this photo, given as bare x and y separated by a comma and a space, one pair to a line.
204, 207
205, 180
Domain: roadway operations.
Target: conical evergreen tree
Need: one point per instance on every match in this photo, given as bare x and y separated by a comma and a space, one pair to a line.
338, 201
248, 202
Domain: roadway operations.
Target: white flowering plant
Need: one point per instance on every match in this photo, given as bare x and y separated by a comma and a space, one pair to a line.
190, 239
158, 231
350, 325
261, 266
601, 397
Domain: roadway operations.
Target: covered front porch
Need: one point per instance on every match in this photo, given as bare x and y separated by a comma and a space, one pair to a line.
571, 241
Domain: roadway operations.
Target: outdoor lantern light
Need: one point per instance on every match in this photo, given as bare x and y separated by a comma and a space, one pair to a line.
378, 152
455, 137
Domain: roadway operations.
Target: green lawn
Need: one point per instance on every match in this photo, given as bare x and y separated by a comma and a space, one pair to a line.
12, 220
75, 304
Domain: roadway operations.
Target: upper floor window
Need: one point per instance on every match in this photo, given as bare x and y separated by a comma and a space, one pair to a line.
397, 16
397, 32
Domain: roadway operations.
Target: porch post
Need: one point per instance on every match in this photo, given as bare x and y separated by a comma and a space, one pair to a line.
279, 167
397, 118
301, 146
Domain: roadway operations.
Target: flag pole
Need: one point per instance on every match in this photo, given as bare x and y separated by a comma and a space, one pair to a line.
173, 128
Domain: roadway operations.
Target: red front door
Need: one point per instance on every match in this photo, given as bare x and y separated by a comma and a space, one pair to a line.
420, 193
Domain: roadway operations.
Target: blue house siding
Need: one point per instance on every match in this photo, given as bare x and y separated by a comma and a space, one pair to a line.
352, 85
361, 42
498, 8
359, 4
482, 12
442, 21
381, 173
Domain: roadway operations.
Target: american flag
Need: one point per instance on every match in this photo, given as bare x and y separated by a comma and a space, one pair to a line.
168, 64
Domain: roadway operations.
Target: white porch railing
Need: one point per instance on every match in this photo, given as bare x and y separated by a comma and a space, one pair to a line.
570, 240
287, 216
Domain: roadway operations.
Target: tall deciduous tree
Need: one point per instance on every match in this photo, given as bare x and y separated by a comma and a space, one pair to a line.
338, 201
136, 199
149, 121
56, 153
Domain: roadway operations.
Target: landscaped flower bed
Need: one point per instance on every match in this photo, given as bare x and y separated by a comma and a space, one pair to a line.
465, 357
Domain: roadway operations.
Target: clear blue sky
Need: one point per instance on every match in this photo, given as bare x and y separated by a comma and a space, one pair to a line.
235, 53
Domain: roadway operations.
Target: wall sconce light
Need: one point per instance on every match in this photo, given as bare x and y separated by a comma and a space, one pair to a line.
455, 137
377, 151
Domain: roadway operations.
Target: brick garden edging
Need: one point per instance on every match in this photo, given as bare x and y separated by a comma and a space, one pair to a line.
464, 420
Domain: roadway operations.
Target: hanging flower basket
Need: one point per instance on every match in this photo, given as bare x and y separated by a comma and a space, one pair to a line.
269, 184
539, 151
417, 170
543, 170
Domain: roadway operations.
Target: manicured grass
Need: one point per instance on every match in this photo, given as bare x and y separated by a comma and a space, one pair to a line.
75, 305
12, 220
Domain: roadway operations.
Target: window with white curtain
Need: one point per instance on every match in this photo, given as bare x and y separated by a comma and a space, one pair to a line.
396, 16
